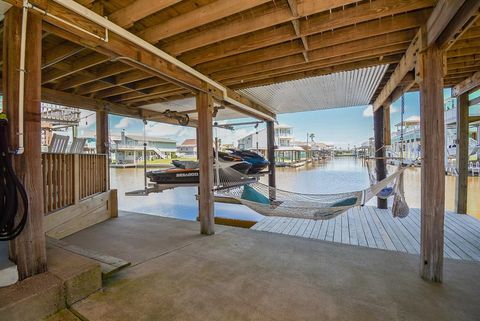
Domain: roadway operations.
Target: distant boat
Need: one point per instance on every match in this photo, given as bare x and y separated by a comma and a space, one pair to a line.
297, 164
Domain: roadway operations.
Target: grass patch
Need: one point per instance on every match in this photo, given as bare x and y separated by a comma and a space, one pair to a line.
169, 161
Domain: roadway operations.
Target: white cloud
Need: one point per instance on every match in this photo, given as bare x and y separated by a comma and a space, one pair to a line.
368, 111
123, 123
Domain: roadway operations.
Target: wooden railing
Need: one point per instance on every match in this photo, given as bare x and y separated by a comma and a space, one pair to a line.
69, 178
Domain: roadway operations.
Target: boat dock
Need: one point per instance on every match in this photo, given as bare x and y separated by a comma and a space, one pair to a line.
376, 228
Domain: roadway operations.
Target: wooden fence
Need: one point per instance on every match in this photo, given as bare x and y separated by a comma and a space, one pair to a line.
70, 178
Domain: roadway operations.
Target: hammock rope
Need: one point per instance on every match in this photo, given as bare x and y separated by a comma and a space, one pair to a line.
256, 196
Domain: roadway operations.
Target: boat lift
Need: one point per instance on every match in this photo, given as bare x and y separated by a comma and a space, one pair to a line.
159, 188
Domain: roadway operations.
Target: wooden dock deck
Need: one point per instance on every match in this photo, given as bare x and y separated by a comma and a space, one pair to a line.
376, 228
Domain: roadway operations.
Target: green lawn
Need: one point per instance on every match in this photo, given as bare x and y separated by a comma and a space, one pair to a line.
169, 161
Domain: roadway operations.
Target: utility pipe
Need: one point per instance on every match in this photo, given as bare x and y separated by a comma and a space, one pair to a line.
108, 25
21, 82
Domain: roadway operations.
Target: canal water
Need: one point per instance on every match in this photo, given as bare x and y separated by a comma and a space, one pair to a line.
337, 175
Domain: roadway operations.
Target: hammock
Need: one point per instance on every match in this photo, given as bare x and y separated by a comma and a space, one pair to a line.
270, 201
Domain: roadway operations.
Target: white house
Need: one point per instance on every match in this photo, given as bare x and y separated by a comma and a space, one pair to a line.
283, 138
188, 148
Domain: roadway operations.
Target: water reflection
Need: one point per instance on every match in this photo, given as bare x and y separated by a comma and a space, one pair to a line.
337, 175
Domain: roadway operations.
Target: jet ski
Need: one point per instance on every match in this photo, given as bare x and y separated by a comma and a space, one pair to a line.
187, 172
258, 162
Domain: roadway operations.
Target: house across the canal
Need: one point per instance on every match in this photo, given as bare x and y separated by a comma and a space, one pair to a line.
128, 149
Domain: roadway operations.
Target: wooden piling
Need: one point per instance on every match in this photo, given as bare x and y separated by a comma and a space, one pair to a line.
380, 162
433, 164
462, 154
205, 156
28, 249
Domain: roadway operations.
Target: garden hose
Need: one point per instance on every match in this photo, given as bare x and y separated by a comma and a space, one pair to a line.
11, 190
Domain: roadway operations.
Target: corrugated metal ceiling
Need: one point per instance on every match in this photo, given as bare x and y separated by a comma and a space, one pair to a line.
342, 89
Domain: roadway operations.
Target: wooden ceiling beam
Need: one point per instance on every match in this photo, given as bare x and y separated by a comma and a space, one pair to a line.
106, 70
76, 65
75, 101
295, 47
152, 92
296, 27
321, 63
139, 85
474, 50
318, 72
196, 18
362, 24
445, 22
449, 20
138, 10
117, 80
140, 56
59, 53
279, 14
406, 64
339, 37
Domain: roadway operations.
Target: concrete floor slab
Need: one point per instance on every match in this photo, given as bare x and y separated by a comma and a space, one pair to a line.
240, 274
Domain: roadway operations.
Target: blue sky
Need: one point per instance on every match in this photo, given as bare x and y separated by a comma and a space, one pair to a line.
341, 127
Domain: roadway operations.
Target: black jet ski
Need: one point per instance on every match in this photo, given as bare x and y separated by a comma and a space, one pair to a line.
258, 162
188, 172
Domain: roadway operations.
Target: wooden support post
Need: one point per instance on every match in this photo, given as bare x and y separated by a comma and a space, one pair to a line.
102, 140
102, 131
271, 158
28, 249
380, 162
205, 157
433, 166
462, 154
387, 137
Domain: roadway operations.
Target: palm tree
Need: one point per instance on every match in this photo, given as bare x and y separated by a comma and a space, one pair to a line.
312, 136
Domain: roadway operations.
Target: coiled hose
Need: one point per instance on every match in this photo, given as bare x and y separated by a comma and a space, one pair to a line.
10, 190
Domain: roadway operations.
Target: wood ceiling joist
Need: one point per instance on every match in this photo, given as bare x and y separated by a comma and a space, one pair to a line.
198, 17
467, 85
138, 10
115, 80
74, 66
319, 72
158, 90
406, 64
318, 12
296, 27
103, 71
295, 47
463, 52
141, 56
230, 78
463, 58
150, 97
463, 64
139, 85
453, 26
360, 19
439, 31
59, 53
336, 40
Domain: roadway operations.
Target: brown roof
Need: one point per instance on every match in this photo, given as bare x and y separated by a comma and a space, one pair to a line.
189, 142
